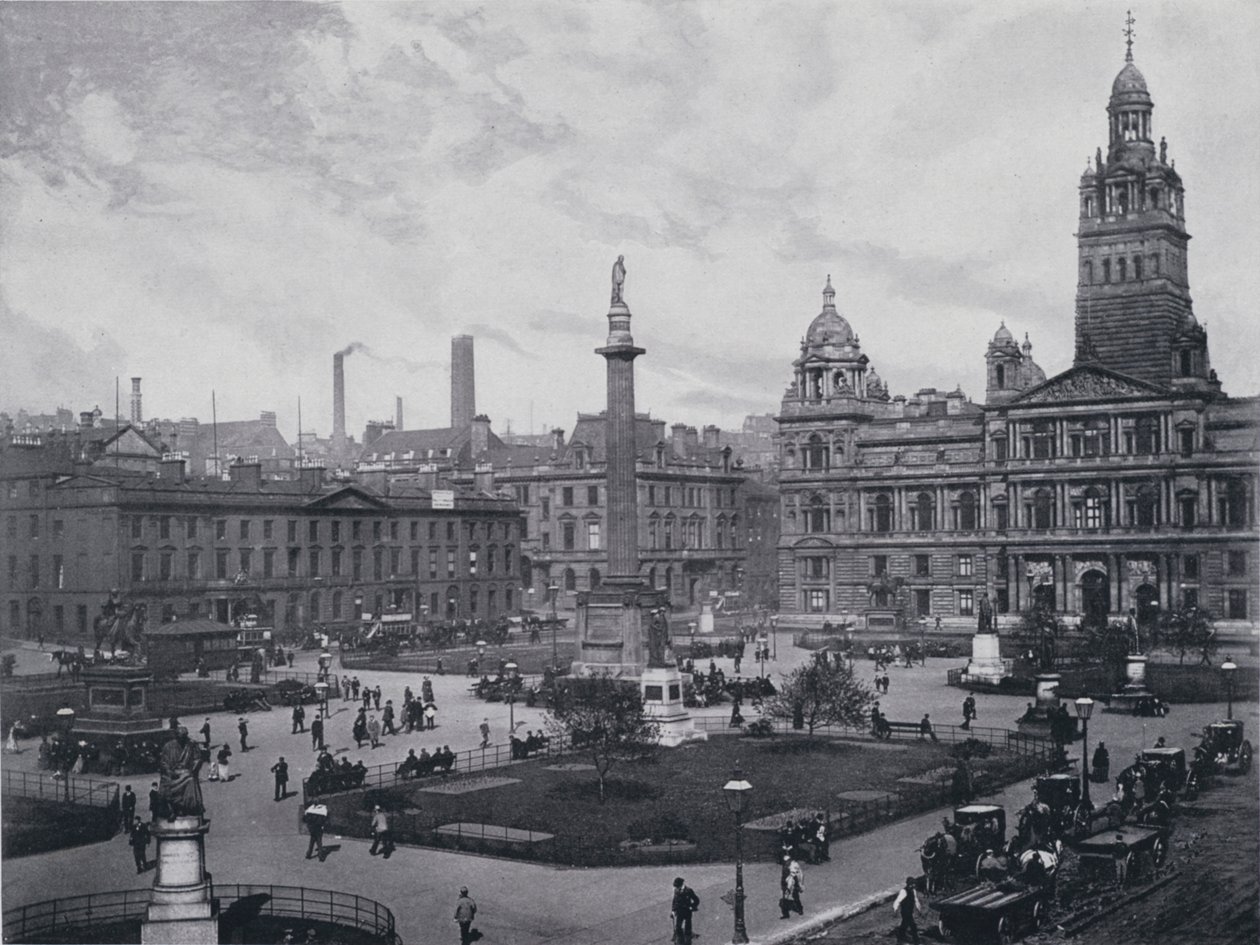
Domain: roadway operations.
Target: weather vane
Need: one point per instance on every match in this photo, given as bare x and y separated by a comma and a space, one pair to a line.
1128, 33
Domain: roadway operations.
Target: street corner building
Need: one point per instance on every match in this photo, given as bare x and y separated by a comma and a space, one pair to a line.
1126, 482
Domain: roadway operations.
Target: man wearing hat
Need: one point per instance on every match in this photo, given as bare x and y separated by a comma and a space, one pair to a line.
906, 905
684, 904
380, 833
243, 727
465, 912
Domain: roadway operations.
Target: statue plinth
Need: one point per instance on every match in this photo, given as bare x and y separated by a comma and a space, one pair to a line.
1134, 687
613, 627
1037, 720
181, 911
986, 666
661, 687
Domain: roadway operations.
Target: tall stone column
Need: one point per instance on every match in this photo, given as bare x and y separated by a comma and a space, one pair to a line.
623, 499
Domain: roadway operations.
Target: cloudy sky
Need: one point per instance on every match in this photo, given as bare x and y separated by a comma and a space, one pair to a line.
219, 196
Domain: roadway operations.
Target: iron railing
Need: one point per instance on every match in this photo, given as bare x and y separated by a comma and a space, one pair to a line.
64, 916
89, 792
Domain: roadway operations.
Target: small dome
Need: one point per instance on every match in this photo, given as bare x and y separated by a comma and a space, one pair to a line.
1129, 79
829, 328
1003, 335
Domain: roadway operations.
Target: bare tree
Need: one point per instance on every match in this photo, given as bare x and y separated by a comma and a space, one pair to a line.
604, 718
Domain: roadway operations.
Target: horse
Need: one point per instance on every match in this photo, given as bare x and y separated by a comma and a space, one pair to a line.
1040, 865
1034, 825
936, 857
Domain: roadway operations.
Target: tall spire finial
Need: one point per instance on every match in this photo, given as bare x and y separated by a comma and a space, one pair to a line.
1128, 35
829, 294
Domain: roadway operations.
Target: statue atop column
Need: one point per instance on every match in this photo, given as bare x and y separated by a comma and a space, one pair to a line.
178, 786
658, 640
618, 280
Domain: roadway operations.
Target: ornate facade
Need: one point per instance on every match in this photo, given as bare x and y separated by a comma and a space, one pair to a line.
1126, 482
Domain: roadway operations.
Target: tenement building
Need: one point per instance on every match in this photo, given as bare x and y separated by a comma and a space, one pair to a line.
299, 553
1127, 482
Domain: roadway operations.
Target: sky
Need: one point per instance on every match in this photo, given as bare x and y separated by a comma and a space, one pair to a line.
220, 196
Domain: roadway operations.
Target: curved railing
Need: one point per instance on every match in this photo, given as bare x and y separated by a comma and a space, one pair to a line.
63, 916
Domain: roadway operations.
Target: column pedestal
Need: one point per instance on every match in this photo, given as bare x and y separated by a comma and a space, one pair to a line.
180, 912
986, 666
1037, 720
1134, 686
662, 701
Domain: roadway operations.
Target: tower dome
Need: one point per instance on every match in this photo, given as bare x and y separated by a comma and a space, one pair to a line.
1130, 81
829, 327
1003, 335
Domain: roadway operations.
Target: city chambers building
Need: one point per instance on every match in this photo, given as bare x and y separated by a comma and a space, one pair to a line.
1127, 482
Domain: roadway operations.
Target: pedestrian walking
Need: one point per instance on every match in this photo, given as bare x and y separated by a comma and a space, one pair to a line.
316, 819
376, 698
289, 658
155, 801
790, 884
317, 732
465, 912
885, 681
1120, 857
374, 732
367, 697
426, 689
345, 689
683, 905
430, 716
205, 733
822, 839
354, 687
243, 727
224, 759
484, 728
139, 843
359, 729
299, 719
128, 804
925, 728
1101, 764
387, 719
281, 771
905, 906
380, 833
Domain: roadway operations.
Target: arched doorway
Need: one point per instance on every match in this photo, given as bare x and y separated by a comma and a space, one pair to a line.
1147, 599
1095, 598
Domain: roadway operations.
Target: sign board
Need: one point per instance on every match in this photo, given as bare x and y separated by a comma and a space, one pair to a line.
443, 499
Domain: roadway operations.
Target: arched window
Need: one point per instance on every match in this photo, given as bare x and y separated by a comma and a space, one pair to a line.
721, 531
1106, 270
923, 512
669, 532
337, 599
817, 516
1146, 507
1137, 268
1232, 504
593, 578
966, 512
999, 374
313, 613
1122, 269
815, 453
570, 579
1093, 509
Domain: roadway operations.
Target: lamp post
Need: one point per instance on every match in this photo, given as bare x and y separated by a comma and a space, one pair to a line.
737, 791
691, 625
66, 716
763, 649
923, 638
510, 667
774, 633
1228, 668
1084, 709
554, 591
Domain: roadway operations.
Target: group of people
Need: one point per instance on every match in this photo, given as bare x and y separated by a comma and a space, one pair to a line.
808, 839
442, 761
532, 743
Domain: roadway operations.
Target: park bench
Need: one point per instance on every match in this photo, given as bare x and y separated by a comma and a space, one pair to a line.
908, 728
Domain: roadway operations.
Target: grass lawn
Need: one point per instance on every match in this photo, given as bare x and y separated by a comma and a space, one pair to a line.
677, 795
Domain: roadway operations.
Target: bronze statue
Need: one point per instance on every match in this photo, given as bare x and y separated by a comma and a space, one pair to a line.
618, 279
178, 786
987, 624
658, 640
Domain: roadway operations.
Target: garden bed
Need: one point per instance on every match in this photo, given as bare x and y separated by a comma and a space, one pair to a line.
675, 796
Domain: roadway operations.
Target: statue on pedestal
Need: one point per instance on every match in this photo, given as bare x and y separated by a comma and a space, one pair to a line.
658, 640
178, 786
986, 622
618, 279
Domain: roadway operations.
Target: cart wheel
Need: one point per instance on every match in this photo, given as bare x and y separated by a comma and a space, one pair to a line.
1082, 821
1244, 757
943, 929
1005, 931
1039, 915
1159, 851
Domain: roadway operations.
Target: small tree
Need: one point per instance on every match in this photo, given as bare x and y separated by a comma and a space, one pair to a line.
1110, 644
821, 694
1039, 632
1186, 630
603, 717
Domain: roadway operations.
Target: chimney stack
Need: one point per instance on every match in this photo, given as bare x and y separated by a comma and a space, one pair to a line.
463, 387
398, 413
339, 408
711, 436
172, 466
479, 439
136, 414
678, 439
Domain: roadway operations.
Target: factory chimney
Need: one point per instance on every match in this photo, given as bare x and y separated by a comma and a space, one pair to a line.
136, 413
463, 391
339, 408
398, 413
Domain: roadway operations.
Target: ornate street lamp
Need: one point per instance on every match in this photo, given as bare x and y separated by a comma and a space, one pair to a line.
923, 638
774, 633
554, 591
691, 625
1228, 668
737, 792
511, 667
65, 715
1084, 709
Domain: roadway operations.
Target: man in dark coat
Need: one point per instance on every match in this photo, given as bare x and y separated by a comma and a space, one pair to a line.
128, 801
683, 905
299, 719
465, 912
243, 727
317, 732
139, 843
155, 801
281, 770
205, 733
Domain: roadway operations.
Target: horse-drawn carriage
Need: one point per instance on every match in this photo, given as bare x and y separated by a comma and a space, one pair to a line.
1143, 848
1165, 768
958, 847
246, 700
1231, 750
1002, 912
1055, 811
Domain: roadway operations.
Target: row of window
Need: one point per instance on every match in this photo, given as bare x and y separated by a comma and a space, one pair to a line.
315, 531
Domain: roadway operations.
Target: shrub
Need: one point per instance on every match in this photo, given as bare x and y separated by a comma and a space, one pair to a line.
762, 728
972, 748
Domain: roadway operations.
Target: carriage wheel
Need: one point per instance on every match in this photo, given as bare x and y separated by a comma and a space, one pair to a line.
1082, 820
1039, 916
1159, 851
1005, 930
943, 929
1244, 757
